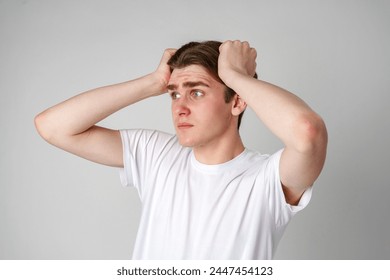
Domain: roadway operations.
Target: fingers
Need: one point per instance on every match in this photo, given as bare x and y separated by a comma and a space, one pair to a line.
238, 55
244, 45
163, 66
168, 53
242, 48
163, 71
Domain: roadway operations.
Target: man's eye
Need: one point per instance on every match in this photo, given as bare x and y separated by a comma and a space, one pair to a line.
197, 93
175, 95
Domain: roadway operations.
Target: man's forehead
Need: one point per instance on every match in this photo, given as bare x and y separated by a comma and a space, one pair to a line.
192, 75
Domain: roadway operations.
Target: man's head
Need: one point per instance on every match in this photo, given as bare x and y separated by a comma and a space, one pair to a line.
204, 54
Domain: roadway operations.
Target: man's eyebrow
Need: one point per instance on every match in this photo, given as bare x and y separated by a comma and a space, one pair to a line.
188, 85
195, 84
171, 87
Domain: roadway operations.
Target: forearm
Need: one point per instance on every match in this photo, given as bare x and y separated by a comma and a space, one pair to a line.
81, 112
286, 115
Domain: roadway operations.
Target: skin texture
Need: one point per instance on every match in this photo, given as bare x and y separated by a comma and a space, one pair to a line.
202, 119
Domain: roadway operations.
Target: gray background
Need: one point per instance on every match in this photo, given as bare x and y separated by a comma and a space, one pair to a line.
333, 54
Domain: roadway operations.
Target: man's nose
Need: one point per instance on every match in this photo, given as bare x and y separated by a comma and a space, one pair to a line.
180, 107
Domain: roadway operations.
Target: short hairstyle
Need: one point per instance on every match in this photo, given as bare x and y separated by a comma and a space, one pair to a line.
203, 54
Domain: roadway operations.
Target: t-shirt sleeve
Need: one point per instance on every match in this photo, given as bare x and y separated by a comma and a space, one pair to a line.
141, 150
281, 210
128, 174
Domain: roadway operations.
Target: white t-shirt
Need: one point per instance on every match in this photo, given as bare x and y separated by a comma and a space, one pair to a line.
234, 210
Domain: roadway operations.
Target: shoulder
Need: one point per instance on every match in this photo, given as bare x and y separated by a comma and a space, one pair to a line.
257, 159
145, 134
150, 142
263, 168
146, 137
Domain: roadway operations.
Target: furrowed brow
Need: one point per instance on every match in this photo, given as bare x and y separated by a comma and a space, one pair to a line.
189, 84
171, 87
195, 84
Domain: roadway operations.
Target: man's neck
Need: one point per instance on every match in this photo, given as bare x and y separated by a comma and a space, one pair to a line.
217, 153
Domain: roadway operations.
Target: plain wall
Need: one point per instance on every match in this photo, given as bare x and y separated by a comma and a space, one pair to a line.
333, 54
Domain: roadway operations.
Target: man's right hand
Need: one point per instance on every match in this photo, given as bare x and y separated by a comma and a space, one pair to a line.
163, 71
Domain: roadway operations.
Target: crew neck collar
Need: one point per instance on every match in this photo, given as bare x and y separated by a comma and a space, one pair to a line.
218, 168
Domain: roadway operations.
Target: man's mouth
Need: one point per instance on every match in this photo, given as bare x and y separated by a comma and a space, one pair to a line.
184, 125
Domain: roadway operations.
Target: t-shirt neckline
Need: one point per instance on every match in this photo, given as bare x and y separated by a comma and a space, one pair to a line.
221, 167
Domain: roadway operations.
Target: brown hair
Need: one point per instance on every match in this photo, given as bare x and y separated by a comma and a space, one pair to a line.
203, 54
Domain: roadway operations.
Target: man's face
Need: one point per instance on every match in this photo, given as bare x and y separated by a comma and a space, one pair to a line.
200, 114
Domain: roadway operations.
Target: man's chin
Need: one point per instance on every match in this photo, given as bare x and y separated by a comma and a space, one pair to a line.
186, 143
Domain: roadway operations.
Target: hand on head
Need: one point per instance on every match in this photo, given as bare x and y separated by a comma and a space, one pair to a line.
236, 57
163, 71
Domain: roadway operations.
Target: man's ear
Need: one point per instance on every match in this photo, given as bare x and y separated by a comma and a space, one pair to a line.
238, 105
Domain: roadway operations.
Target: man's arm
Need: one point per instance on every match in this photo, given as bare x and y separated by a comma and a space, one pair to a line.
302, 131
70, 125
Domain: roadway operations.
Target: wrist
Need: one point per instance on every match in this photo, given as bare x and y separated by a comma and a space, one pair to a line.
152, 85
233, 78
158, 82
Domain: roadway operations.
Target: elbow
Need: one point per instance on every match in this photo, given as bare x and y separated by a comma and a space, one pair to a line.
310, 134
42, 125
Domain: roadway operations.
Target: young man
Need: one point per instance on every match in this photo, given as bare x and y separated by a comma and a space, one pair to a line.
204, 195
